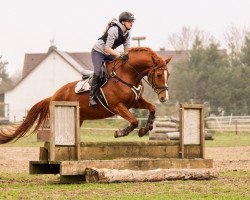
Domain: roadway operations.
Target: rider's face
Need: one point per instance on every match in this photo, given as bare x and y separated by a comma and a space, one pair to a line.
128, 24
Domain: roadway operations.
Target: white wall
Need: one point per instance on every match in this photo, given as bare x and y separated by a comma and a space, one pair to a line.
42, 82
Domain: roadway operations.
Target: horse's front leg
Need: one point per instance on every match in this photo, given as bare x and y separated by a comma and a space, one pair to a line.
124, 113
143, 104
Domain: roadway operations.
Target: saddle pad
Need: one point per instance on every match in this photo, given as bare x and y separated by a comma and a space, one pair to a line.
82, 86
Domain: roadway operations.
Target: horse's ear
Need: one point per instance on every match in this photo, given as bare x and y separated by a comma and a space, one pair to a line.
168, 59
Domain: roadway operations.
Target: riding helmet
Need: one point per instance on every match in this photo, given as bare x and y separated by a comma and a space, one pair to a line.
126, 16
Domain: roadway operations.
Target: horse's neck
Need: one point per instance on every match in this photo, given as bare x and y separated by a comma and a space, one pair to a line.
130, 74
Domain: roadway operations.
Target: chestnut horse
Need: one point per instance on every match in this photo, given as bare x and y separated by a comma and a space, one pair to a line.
125, 78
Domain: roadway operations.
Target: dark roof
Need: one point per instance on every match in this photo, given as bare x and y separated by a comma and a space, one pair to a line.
83, 58
177, 56
181, 55
30, 61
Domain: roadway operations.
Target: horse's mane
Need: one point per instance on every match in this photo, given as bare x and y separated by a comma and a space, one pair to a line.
156, 58
154, 55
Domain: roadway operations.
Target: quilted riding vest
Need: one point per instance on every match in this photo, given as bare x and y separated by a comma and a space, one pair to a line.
119, 41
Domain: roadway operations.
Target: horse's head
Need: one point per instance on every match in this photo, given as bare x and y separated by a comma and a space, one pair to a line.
143, 61
158, 78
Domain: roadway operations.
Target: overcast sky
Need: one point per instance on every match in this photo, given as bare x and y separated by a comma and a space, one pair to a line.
27, 26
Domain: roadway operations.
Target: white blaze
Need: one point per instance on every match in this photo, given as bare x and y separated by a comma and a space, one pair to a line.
166, 76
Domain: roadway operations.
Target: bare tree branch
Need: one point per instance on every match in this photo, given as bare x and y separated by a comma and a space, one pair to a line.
235, 38
186, 37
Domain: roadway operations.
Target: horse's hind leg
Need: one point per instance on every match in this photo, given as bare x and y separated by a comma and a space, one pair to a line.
124, 113
143, 104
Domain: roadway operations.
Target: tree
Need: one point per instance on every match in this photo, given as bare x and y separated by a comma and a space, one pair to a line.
16, 76
238, 79
5, 81
211, 76
202, 78
235, 38
186, 37
245, 56
245, 75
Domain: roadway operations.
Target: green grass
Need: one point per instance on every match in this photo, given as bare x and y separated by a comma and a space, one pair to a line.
227, 139
230, 185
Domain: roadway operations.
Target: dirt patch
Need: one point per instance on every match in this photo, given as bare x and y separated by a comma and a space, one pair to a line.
16, 159
230, 158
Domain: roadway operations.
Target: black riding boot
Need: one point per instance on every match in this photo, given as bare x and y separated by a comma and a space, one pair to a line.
93, 87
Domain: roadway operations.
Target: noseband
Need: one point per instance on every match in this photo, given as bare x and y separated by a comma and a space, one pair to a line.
151, 73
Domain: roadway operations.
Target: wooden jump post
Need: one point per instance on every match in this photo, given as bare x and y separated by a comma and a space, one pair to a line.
192, 128
65, 132
64, 154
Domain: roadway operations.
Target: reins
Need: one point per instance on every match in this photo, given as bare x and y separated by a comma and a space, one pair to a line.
150, 73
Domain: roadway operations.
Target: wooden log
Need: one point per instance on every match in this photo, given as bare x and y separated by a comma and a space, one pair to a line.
165, 124
176, 135
94, 175
173, 135
164, 130
208, 135
79, 167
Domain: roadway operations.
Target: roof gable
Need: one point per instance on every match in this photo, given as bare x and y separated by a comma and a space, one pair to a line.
83, 58
80, 61
30, 61
79, 67
34, 60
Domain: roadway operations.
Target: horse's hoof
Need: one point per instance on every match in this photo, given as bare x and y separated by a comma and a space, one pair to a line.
150, 127
143, 131
118, 134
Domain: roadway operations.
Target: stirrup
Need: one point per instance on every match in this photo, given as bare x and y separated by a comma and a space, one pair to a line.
92, 102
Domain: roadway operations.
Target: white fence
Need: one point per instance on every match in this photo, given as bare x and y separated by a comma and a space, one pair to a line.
228, 123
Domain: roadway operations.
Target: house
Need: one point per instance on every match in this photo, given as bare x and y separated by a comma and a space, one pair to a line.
44, 73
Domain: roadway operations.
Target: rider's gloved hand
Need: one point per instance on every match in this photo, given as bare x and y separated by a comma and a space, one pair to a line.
124, 57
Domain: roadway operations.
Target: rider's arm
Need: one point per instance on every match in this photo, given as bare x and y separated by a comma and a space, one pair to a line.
111, 51
126, 44
112, 35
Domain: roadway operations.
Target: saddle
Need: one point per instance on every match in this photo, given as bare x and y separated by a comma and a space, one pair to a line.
84, 85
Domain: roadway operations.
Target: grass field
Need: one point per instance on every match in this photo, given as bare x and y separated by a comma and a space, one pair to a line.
234, 184
230, 185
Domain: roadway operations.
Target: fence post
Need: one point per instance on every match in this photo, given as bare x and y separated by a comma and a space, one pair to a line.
236, 127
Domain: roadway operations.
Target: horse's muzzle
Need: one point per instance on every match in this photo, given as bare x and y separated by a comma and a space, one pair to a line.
162, 99
163, 96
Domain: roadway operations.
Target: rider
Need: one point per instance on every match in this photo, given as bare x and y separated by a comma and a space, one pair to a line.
116, 34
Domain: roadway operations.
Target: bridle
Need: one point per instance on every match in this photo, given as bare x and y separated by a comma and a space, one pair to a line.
157, 89
151, 72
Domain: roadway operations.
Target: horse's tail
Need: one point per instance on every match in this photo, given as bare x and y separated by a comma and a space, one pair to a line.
39, 112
